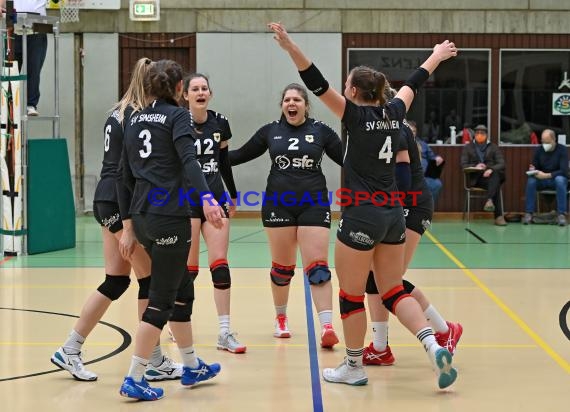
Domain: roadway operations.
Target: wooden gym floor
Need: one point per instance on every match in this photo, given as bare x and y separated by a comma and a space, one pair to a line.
508, 286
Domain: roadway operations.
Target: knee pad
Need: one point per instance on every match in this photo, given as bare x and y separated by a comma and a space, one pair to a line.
193, 271
371, 287
408, 286
393, 297
349, 305
158, 311
144, 287
114, 286
184, 300
318, 272
220, 271
281, 275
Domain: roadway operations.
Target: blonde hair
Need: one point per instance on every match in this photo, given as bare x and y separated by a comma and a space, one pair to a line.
135, 95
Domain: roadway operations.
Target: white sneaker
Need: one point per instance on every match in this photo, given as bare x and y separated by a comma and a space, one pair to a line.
227, 341
441, 360
281, 327
351, 375
73, 364
167, 370
32, 111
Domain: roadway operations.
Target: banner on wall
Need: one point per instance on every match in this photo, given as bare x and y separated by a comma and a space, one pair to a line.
561, 104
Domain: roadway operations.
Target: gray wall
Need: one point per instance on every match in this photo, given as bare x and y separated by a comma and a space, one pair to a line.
248, 72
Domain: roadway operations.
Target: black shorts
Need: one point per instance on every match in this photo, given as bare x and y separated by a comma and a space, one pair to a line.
107, 215
363, 227
172, 232
303, 215
418, 219
197, 212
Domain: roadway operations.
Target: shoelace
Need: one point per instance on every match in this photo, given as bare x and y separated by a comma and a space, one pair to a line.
282, 320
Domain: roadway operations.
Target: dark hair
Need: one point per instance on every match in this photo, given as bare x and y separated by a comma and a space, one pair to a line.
192, 76
161, 80
413, 124
302, 91
369, 84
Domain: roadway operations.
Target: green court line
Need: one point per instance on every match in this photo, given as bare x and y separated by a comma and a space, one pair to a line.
508, 311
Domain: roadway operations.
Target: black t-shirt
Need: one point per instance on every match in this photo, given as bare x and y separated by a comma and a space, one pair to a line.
296, 154
209, 135
112, 148
373, 139
154, 160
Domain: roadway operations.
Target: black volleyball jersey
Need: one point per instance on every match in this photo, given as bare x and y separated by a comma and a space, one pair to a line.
209, 135
296, 154
112, 148
408, 142
373, 138
154, 161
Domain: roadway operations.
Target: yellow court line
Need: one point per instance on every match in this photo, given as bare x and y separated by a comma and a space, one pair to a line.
508, 311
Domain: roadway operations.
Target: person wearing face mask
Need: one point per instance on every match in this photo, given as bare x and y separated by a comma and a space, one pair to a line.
487, 157
549, 170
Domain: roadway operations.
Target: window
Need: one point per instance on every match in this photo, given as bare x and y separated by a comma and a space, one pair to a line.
457, 94
530, 90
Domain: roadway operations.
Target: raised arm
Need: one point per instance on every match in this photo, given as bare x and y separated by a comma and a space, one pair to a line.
441, 52
310, 75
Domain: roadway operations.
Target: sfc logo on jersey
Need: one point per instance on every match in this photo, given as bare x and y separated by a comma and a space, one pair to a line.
309, 138
217, 137
282, 162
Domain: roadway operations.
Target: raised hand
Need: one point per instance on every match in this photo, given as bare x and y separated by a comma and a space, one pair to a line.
281, 35
445, 50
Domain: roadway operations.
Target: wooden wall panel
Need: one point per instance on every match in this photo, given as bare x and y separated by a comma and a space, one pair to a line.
180, 47
517, 158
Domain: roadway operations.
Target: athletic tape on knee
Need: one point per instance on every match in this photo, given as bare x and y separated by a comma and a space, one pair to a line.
350, 305
393, 297
158, 311
220, 271
318, 272
408, 286
144, 287
281, 275
114, 286
193, 271
184, 301
371, 287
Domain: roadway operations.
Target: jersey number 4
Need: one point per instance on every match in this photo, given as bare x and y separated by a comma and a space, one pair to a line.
386, 150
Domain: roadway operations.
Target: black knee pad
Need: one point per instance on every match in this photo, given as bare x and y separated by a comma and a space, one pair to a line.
408, 286
184, 300
371, 287
114, 286
281, 275
220, 271
349, 305
144, 287
193, 271
158, 311
318, 272
393, 296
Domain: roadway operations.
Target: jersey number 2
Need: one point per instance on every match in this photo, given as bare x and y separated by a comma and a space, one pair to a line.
145, 135
386, 151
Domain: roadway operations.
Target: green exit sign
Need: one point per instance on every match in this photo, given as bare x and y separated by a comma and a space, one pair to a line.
144, 10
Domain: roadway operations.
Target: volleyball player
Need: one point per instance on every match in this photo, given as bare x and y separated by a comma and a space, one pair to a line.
372, 228
212, 132
296, 208
160, 166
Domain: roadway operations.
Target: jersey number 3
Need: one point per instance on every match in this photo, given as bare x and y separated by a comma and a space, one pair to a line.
145, 135
386, 151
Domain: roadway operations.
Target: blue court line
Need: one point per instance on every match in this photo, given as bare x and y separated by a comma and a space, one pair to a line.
313, 359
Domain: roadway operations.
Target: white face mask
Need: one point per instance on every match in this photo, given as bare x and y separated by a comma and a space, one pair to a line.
547, 147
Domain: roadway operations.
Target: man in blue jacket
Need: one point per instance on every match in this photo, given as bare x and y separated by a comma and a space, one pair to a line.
549, 170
